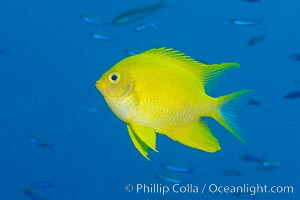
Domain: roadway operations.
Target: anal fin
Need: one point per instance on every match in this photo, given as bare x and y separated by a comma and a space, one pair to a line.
196, 135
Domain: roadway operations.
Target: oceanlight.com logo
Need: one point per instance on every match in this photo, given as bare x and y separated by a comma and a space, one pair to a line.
250, 189
238, 190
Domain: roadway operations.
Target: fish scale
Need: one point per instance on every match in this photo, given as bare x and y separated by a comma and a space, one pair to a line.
161, 115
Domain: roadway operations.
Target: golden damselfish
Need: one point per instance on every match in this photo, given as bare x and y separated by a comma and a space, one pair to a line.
163, 91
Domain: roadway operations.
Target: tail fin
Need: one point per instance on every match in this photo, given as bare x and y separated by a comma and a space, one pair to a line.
225, 113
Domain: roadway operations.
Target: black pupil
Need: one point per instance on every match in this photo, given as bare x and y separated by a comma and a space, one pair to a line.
114, 77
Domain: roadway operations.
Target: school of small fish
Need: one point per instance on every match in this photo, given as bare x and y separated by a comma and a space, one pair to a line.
127, 17
172, 170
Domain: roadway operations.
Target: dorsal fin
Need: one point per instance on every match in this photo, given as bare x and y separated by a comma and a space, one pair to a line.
185, 61
206, 73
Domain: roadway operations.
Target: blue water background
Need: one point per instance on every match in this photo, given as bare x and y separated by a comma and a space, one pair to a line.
47, 90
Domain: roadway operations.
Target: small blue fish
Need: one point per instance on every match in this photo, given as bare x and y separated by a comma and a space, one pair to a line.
168, 178
268, 165
98, 36
177, 168
232, 173
254, 102
91, 20
251, 158
130, 52
256, 39
245, 22
41, 185
295, 56
40, 142
33, 195
144, 27
293, 95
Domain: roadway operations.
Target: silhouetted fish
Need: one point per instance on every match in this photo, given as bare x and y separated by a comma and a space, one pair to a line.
268, 165
232, 173
251, 158
168, 178
293, 95
41, 185
137, 13
98, 36
177, 168
295, 56
33, 195
254, 102
245, 22
256, 39
145, 26
39, 142
91, 20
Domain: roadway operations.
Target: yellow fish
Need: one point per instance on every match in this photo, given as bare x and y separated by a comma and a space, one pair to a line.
163, 91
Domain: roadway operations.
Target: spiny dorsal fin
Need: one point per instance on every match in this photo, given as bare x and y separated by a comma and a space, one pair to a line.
185, 61
207, 74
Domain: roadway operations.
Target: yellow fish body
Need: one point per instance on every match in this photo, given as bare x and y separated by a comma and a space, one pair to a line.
163, 91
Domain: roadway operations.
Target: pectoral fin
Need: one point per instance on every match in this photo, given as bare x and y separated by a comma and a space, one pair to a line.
138, 143
196, 135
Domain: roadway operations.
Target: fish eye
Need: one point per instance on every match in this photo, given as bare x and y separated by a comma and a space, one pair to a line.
114, 77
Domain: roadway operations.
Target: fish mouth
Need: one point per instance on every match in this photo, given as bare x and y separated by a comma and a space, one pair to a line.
100, 85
